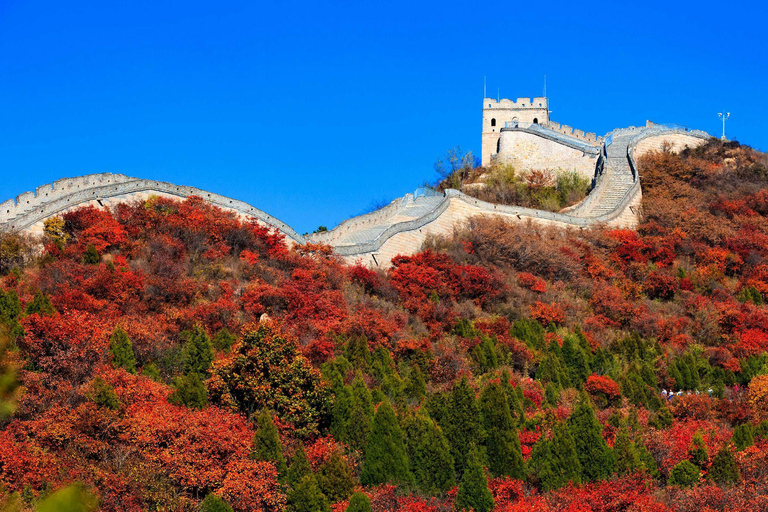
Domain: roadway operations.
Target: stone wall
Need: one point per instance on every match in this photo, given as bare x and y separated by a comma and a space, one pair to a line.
676, 142
30, 209
531, 151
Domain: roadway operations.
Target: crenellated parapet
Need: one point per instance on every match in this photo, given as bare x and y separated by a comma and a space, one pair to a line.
30, 209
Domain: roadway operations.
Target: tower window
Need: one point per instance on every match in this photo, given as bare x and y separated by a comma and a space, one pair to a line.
493, 122
535, 120
539, 104
489, 105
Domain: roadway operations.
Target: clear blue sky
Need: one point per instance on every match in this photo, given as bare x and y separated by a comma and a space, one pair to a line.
312, 111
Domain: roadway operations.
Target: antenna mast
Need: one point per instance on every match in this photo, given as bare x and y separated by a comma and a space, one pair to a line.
545, 86
485, 87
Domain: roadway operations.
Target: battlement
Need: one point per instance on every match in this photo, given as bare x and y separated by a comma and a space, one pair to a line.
520, 103
575, 133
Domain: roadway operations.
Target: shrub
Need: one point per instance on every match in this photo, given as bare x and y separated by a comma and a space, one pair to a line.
684, 474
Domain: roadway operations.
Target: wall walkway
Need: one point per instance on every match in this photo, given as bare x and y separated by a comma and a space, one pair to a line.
402, 226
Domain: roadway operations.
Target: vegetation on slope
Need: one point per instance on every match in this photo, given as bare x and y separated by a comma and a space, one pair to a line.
550, 190
172, 357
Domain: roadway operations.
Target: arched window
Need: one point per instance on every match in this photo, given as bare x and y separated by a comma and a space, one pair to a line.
535, 120
493, 122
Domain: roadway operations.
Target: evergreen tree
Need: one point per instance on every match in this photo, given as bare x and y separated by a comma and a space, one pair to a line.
358, 352
724, 470
461, 425
684, 474
430, 455
743, 436
662, 419
335, 478
91, 256
647, 460
502, 444
358, 421
416, 385
223, 340
41, 305
197, 354
359, 502
595, 456
306, 496
267, 445
514, 398
190, 392
555, 463
341, 412
213, 503
627, 458
104, 394
300, 466
575, 361
385, 456
698, 451
473, 494
122, 351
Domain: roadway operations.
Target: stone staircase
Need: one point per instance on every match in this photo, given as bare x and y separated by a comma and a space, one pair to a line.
615, 182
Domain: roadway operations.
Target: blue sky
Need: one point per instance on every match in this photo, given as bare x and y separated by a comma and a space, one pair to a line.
314, 111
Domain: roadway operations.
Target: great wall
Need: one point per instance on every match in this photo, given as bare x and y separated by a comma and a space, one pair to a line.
403, 225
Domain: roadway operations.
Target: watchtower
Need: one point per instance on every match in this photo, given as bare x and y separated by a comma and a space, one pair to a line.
496, 114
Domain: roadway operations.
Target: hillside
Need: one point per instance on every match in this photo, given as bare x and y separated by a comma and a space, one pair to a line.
172, 357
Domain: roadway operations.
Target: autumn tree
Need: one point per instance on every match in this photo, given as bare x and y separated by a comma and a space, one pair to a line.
266, 370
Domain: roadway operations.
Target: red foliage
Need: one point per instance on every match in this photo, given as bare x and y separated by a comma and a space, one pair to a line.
601, 384
532, 282
548, 313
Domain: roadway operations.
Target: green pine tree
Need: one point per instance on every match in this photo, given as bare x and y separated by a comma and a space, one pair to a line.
213, 503
300, 466
386, 459
122, 351
698, 451
430, 455
91, 255
223, 340
358, 424
724, 470
595, 456
502, 444
41, 305
743, 436
461, 425
576, 361
359, 502
267, 445
335, 478
473, 494
190, 391
555, 463
104, 394
306, 496
197, 353
684, 474
627, 458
